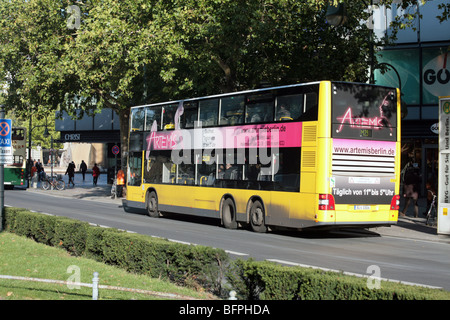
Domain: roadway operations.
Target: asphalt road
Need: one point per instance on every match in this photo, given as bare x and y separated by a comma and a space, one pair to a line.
407, 260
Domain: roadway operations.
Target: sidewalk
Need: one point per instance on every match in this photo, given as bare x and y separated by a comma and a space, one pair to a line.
414, 228
406, 227
83, 189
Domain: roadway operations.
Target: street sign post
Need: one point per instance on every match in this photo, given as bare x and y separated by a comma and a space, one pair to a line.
444, 167
115, 150
5, 134
6, 149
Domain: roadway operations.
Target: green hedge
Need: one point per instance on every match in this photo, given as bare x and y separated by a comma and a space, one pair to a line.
202, 266
160, 258
270, 281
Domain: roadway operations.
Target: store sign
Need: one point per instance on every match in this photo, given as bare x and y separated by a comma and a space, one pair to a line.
436, 75
72, 137
435, 128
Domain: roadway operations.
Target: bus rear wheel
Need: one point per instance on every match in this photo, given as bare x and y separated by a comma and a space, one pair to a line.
257, 217
152, 205
229, 214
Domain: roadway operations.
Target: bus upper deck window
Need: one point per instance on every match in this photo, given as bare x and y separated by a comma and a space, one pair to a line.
168, 122
152, 114
209, 110
190, 115
232, 110
289, 107
137, 119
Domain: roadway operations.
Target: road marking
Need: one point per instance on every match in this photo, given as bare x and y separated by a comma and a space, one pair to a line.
301, 265
236, 253
182, 242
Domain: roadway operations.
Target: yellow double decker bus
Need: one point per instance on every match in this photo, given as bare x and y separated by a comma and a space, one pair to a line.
315, 155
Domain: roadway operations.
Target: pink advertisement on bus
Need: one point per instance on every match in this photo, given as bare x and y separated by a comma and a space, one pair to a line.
274, 135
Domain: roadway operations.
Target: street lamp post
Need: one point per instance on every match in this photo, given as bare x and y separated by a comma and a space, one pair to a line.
51, 157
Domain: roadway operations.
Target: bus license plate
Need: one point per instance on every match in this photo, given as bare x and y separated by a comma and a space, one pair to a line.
362, 207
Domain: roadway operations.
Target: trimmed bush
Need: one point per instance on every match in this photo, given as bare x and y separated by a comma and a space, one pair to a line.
159, 258
201, 266
270, 281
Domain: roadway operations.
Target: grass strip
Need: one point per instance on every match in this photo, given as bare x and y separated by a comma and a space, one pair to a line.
24, 257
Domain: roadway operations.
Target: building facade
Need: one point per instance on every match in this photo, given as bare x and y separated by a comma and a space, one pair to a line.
419, 62
90, 138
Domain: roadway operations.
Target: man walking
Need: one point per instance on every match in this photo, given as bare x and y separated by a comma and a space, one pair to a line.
83, 168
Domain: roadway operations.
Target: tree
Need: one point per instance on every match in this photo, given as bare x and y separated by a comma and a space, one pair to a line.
132, 52
32, 38
222, 46
107, 55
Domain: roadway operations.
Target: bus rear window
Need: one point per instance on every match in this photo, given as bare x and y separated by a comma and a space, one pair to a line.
364, 112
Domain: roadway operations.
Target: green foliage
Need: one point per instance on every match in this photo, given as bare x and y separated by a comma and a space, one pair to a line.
270, 281
134, 52
196, 266
202, 267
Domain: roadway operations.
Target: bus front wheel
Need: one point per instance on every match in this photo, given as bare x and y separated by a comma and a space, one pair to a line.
229, 214
257, 217
152, 205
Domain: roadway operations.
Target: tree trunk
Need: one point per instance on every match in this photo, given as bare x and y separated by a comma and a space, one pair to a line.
124, 118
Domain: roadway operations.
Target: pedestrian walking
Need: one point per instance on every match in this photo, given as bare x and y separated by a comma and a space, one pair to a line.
83, 168
411, 189
34, 176
120, 182
71, 172
95, 173
40, 169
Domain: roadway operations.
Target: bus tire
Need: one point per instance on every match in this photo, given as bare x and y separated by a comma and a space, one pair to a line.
229, 214
152, 205
257, 217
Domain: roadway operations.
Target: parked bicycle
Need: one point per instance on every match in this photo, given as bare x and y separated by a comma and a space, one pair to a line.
432, 213
53, 182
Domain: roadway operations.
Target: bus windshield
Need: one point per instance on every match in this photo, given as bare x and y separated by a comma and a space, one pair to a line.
362, 111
